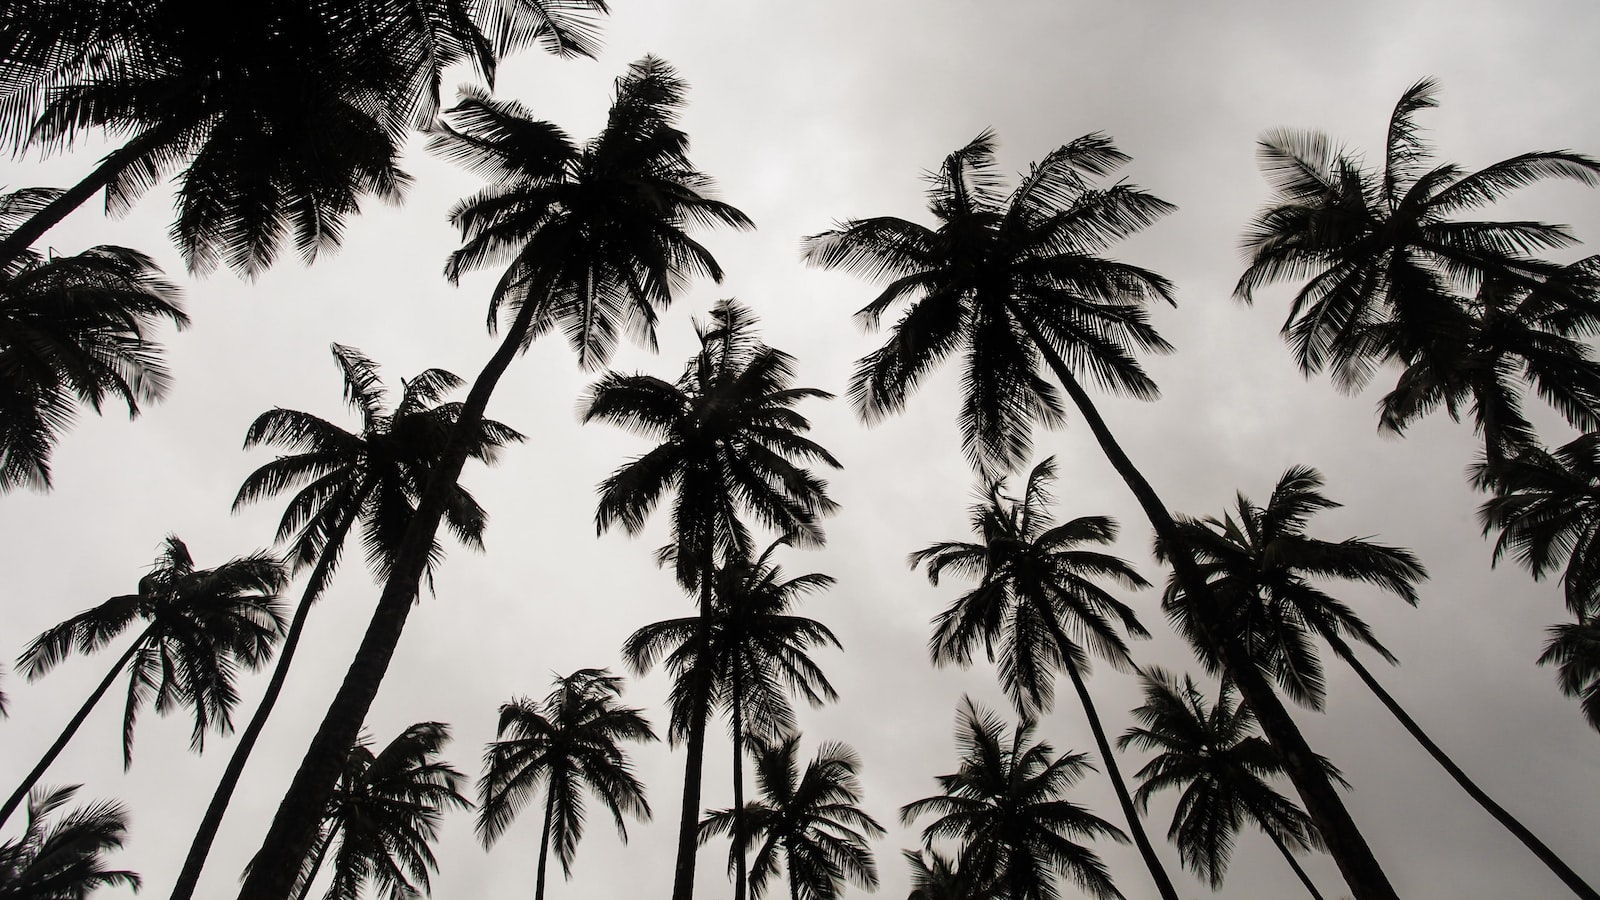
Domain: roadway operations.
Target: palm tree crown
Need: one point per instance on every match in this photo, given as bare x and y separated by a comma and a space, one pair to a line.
1546, 505
64, 860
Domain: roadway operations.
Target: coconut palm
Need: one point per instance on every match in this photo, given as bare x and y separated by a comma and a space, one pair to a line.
1006, 806
745, 657
1266, 561
276, 121
372, 478
384, 815
1209, 751
1546, 506
1387, 266
813, 820
203, 625
1575, 648
569, 745
621, 204
64, 860
731, 445
1039, 600
935, 876
73, 330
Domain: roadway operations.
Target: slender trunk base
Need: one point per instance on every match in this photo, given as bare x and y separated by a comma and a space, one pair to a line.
1295, 865
544, 842
740, 871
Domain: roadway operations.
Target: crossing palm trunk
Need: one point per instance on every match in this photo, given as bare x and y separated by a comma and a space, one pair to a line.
1295, 865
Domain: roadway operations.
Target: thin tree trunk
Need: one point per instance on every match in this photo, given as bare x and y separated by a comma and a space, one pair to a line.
17, 242
1345, 842
50, 755
1294, 864
689, 818
1547, 856
544, 840
737, 707
294, 826
319, 853
1135, 827
211, 823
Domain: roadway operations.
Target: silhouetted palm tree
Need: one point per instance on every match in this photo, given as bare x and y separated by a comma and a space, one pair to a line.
1575, 648
745, 657
372, 478
1546, 505
568, 745
1265, 561
1005, 805
203, 624
1038, 599
731, 444
73, 330
64, 860
1209, 751
813, 820
1387, 264
384, 815
935, 876
620, 204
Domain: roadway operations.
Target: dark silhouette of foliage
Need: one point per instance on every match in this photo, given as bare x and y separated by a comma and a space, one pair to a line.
1546, 505
935, 876
1575, 648
65, 859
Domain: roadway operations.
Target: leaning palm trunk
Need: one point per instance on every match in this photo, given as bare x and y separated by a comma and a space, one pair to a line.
1547, 856
294, 827
695, 749
740, 872
50, 755
1294, 864
1345, 841
200, 848
544, 841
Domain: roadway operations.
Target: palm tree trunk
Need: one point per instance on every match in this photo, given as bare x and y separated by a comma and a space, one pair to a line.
294, 826
17, 242
50, 755
318, 854
1140, 839
200, 848
737, 707
1294, 864
1345, 842
544, 840
1547, 856
689, 818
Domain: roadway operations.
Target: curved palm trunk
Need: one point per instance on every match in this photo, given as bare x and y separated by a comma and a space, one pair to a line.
544, 841
1140, 839
1345, 842
50, 755
1547, 856
740, 872
1295, 865
294, 826
200, 847
15, 243
695, 748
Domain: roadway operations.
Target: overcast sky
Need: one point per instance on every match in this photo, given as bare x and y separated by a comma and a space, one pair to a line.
807, 113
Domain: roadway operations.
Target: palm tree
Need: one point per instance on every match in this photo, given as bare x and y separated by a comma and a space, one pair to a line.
741, 657
1208, 750
203, 624
568, 744
1005, 805
384, 815
620, 204
731, 444
64, 860
372, 478
1575, 648
280, 119
1386, 264
73, 327
1038, 599
1265, 560
1017, 281
935, 876
813, 820
1546, 505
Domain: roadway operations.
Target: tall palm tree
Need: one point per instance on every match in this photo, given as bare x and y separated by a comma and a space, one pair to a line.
1016, 282
620, 204
1387, 265
731, 444
277, 120
1039, 600
1266, 561
64, 860
73, 330
1209, 751
569, 744
203, 624
373, 478
1005, 805
745, 657
383, 816
813, 820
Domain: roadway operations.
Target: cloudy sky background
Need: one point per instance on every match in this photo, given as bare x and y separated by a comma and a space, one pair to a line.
807, 113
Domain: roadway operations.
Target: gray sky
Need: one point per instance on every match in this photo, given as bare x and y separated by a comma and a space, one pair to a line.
807, 113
